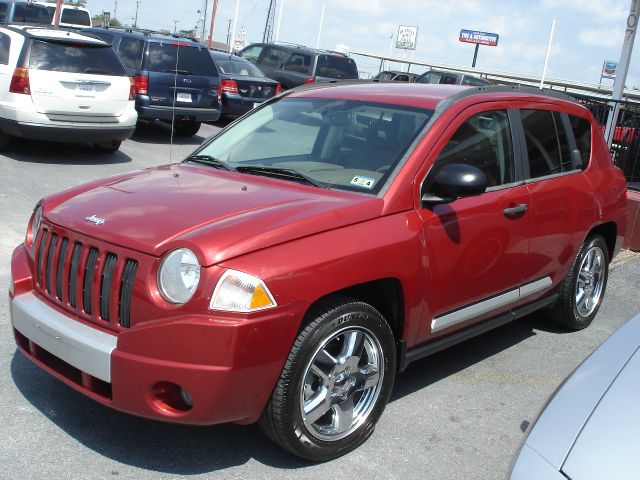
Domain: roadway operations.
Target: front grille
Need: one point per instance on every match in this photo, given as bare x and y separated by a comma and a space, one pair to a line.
95, 284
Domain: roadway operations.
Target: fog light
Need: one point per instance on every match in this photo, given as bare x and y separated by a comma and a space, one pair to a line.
169, 398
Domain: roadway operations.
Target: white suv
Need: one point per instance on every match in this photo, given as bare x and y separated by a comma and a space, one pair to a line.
62, 86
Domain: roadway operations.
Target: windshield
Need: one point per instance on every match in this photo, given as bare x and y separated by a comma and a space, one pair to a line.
30, 13
343, 144
75, 17
243, 69
335, 66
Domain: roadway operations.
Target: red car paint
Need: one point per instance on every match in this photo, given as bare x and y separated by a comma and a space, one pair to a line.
306, 243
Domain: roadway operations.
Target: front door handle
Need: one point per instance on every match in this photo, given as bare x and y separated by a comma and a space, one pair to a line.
515, 211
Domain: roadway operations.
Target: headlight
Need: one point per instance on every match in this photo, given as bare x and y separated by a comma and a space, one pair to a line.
241, 292
36, 223
179, 276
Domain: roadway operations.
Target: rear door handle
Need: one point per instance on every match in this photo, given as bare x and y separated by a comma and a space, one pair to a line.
515, 212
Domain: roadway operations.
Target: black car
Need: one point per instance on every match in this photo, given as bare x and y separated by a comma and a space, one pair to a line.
173, 76
445, 77
242, 85
295, 65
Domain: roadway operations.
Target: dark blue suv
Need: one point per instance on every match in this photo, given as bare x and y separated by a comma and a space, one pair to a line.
172, 76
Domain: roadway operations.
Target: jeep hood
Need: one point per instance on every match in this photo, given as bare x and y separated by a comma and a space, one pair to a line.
218, 214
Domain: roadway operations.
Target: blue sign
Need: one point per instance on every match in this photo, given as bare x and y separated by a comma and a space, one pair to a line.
482, 38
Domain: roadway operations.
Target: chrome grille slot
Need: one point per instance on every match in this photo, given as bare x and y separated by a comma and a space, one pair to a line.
105, 284
60, 269
87, 284
50, 255
126, 289
40, 259
73, 274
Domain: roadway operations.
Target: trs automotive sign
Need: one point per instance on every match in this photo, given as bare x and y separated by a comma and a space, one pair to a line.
482, 38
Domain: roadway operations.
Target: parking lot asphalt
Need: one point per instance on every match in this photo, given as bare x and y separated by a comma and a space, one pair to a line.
459, 414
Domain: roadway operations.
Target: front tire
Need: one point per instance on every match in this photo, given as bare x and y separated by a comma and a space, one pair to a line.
335, 383
583, 289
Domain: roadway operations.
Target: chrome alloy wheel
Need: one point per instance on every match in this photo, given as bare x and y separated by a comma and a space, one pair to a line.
590, 282
341, 384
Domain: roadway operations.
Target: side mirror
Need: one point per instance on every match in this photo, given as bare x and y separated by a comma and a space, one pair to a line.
455, 180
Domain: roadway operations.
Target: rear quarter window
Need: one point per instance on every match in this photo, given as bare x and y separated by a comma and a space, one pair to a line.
61, 57
547, 144
582, 133
130, 52
299, 63
5, 48
186, 60
3, 12
334, 66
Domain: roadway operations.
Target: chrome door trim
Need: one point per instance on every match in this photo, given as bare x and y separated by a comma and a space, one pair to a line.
485, 306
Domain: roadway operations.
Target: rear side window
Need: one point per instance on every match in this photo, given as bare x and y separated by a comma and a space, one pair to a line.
474, 81
62, 57
334, 66
130, 52
171, 57
77, 17
273, 57
299, 63
5, 48
251, 53
582, 132
547, 144
30, 13
483, 141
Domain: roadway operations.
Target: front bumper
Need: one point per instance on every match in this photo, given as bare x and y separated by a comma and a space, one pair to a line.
229, 367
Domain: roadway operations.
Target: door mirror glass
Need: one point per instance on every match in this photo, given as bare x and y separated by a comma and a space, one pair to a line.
456, 180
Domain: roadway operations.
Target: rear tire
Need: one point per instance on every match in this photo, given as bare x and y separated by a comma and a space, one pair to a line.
4, 141
583, 288
187, 128
109, 147
335, 383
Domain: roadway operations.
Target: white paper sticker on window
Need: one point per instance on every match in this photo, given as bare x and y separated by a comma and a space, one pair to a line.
366, 182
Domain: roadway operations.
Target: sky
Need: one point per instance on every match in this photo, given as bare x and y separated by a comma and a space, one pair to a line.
587, 31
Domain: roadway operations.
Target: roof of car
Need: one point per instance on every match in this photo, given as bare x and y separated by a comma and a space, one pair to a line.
48, 33
423, 95
150, 35
302, 48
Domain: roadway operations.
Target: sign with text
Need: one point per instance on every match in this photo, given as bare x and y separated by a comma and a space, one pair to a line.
407, 37
481, 38
609, 69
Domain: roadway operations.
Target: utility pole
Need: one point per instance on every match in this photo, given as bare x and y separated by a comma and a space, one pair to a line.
115, 9
175, 27
268, 26
135, 23
204, 18
213, 19
623, 69
229, 32
56, 18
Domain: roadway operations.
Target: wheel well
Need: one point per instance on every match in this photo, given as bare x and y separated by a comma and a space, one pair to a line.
609, 232
385, 295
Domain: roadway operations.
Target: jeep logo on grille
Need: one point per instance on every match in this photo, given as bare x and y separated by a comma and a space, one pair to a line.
94, 219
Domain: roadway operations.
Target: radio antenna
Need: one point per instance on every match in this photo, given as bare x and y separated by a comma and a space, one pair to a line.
173, 107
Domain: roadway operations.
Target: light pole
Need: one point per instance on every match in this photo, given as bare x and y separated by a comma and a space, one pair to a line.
204, 18
213, 19
135, 23
235, 21
175, 27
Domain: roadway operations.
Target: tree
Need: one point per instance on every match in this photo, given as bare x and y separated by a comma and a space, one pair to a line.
97, 20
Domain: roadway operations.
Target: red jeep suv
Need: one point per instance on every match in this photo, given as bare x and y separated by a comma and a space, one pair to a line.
294, 263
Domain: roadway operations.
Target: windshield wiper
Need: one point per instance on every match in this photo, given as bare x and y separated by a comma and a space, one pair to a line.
209, 160
283, 173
